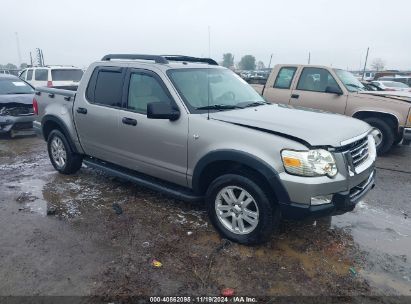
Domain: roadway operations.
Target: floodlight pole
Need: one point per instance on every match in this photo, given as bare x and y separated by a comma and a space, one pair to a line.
365, 64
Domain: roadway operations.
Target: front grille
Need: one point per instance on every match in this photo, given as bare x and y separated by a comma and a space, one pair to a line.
357, 151
22, 125
17, 111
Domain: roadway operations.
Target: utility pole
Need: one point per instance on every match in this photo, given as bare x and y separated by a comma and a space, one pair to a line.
269, 63
42, 58
309, 57
365, 64
31, 60
18, 48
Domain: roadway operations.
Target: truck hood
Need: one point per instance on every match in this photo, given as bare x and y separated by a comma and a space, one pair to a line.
397, 95
308, 126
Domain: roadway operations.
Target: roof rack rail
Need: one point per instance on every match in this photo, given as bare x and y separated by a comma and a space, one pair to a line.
155, 58
159, 58
189, 59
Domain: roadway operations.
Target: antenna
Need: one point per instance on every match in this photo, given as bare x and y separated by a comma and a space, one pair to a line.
208, 75
209, 42
309, 57
365, 64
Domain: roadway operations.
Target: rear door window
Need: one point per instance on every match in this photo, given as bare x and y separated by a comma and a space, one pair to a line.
66, 75
29, 74
41, 74
285, 78
106, 86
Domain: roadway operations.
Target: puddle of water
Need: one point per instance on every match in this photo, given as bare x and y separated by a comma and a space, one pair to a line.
386, 238
32, 188
374, 228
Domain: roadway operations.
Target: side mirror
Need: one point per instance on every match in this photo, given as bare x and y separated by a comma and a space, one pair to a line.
162, 110
333, 90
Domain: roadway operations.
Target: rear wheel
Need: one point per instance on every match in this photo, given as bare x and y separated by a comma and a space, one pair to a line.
61, 156
385, 138
240, 210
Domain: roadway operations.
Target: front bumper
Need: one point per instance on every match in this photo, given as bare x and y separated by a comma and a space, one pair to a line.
341, 202
16, 123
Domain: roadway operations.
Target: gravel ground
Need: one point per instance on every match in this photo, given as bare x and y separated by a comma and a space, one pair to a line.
62, 235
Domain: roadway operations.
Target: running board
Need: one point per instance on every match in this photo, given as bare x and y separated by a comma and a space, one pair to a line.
172, 190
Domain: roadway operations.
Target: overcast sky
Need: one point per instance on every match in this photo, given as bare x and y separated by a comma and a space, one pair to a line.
336, 32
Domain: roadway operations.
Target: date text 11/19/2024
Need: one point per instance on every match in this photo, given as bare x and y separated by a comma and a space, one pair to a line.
203, 299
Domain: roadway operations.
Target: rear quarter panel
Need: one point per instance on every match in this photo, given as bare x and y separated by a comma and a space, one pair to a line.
59, 109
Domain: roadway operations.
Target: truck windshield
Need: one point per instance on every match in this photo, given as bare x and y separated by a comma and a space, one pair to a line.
350, 82
14, 86
213, 89
66, 75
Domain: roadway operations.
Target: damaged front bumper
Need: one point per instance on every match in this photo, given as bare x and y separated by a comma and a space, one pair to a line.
21, 123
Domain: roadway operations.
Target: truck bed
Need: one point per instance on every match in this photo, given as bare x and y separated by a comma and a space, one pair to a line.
258, 88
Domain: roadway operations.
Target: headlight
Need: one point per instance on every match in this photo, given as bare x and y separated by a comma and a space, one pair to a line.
309, 163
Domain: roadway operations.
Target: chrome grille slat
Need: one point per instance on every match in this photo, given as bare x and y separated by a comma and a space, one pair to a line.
358, 151
359, 160
357, 154
359, 147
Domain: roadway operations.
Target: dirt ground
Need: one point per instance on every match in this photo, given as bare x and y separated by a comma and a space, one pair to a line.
62, 235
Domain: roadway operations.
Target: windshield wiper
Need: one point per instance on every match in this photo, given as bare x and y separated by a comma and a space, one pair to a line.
247, 104
16, 93
219, 107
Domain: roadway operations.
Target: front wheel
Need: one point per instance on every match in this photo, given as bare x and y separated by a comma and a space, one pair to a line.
240, 210
61, 156
385, 138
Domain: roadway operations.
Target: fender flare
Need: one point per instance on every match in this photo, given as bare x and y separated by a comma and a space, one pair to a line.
359, 112
62, 128
249, 160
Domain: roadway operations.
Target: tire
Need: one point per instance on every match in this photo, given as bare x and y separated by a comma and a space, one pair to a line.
387, 132
63, 159
397, 140
11, 134
259, 217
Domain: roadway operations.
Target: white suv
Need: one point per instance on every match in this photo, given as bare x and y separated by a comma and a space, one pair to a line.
52, 76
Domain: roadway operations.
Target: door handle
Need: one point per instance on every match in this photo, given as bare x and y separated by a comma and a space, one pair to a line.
129, 121
295, 96
82, 110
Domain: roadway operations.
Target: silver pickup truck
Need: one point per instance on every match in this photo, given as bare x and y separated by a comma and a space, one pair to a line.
196, 131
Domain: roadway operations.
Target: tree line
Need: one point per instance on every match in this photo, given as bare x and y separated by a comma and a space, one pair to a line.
10, 66
247, 62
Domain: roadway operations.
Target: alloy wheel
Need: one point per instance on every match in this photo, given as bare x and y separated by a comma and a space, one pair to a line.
237, 210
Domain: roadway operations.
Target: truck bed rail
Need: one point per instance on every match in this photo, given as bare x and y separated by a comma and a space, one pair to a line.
52, 92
